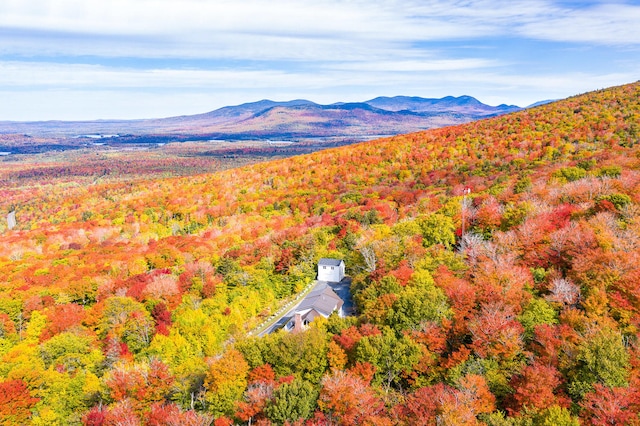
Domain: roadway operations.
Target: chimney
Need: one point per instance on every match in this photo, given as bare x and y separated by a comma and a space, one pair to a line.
297, 323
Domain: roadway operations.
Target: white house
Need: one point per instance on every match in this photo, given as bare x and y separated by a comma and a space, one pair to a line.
331, 270
11, 220
321, 302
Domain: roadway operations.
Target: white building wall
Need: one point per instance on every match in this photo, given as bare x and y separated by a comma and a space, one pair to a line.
331, 273
328, 273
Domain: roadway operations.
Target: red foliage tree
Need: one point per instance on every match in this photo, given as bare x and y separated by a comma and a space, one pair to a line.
141, 386
549, 341
162, 317
62, 318
348, 400
444, 404
223, 421
15, 402
421, 406
462, 297
95, 417
161, 414
262, 374
496, 332
348, 338
363, 370
537, 387
402, 273
610, 406
122, 414
255, 399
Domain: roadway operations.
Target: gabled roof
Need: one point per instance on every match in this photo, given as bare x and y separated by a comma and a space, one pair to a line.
325, 261
322, 299
311, 315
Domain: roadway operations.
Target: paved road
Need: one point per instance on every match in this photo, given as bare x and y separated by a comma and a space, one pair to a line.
286, 316
342, 289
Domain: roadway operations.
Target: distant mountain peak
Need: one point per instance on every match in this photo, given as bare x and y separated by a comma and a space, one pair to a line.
463, 104
547, 101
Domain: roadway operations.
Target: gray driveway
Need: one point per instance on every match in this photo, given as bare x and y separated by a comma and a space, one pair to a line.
342, 289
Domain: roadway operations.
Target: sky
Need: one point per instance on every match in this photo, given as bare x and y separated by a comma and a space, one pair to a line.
126, 59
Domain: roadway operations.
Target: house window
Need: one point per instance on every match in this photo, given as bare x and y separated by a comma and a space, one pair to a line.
324, 267
332, 268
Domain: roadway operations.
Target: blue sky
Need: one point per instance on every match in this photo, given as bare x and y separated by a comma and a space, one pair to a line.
86, 59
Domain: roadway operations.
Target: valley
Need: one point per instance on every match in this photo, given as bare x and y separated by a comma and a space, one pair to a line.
293, 121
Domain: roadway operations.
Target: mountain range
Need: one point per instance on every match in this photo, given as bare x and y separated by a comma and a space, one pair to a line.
266, 119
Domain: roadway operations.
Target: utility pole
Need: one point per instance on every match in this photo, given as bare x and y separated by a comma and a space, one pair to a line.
463, 208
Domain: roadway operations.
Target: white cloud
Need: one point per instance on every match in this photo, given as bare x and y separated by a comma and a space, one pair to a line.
608, 24
45, 76
76, 91
49, 76
418, 65
327, 50
261, 29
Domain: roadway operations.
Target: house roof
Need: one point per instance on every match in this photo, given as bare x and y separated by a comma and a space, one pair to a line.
321, 299
311, 315
325, 261
298, 324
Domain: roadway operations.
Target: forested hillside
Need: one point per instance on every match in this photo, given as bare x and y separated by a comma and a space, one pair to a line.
515, 304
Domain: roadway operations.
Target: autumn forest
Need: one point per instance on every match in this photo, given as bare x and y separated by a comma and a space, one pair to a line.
495, 272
